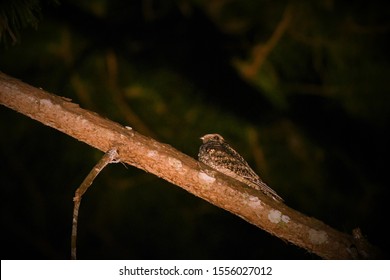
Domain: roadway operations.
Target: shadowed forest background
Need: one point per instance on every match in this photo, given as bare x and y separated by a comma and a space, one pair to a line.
299, 88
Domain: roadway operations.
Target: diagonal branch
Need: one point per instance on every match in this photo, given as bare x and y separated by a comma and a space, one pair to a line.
261, 51
173, 166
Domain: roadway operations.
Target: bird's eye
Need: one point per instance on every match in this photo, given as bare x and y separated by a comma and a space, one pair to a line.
216, 137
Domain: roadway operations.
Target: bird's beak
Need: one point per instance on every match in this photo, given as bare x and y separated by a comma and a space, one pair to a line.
201, 138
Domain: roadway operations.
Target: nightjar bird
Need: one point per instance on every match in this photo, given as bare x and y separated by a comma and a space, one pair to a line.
217, 154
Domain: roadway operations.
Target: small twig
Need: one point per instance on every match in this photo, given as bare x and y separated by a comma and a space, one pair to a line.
109, 157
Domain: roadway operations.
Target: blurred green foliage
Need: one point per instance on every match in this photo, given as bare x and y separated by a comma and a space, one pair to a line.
308, 107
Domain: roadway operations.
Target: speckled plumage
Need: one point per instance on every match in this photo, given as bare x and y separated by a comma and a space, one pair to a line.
217, 154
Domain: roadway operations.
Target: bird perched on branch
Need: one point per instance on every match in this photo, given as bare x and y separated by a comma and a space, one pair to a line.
217, 154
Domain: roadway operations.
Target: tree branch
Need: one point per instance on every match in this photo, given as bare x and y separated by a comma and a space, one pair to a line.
261, 51
173, 166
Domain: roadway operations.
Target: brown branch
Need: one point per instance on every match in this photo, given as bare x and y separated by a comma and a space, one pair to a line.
168, 163
109, 157
261, 51
118, 98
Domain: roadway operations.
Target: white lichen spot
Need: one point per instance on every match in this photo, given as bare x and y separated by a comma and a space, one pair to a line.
317, 236
254, 202
45, 103
285, 219
206, 178
152, 153
275, 216
175, 163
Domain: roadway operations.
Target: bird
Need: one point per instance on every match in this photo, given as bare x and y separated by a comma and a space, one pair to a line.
216, 153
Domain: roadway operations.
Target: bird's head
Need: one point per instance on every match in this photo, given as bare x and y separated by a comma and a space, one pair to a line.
212, 137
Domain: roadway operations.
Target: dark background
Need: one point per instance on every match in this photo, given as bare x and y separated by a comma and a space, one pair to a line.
312, 120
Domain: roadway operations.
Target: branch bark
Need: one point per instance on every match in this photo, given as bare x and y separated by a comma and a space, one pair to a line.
173, 166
